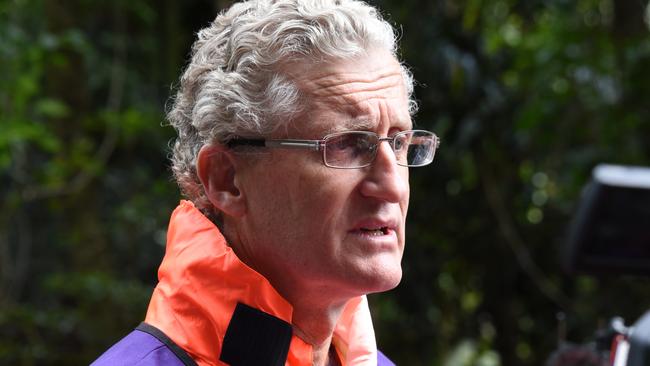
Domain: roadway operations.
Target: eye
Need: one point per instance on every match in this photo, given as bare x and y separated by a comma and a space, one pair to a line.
401, 140
349, 149
344, 142
364, 143
352, 143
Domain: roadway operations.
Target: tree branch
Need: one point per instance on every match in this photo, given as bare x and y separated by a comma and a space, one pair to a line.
109, 142
514, 240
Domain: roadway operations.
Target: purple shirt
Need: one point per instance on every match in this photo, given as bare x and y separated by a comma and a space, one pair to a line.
141, 348
138, 348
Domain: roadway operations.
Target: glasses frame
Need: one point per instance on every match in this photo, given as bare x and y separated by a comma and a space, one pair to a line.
319, 145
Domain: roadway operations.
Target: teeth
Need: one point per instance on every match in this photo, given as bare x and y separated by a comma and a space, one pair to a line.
375, 232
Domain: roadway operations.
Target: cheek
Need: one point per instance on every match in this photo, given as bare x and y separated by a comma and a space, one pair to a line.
267, 194
323, 201
322, 193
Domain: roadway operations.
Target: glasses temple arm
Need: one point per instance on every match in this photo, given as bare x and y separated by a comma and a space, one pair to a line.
284, 144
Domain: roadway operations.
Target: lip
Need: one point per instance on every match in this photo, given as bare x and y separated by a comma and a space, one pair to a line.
387, 225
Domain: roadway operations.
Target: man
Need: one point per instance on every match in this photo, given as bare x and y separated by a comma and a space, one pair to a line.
294, 145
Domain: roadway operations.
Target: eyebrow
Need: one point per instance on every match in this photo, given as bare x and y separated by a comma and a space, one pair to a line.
351, 125
360, 125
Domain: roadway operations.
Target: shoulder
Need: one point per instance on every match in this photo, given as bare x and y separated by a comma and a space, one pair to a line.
142, 348
382, 360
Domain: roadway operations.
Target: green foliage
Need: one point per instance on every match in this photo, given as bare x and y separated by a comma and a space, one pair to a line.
86, 190
85, 311
527, 97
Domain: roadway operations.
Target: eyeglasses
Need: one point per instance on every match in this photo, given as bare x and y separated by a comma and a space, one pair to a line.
358, 149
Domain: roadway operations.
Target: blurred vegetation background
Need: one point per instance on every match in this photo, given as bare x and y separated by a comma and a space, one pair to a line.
527, 96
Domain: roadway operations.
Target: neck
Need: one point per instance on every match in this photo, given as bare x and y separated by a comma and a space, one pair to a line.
315, 325
315, 310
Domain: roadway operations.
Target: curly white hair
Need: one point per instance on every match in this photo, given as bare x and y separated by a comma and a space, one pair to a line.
235, 84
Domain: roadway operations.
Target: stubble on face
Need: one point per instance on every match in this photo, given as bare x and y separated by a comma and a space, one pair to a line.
301, 228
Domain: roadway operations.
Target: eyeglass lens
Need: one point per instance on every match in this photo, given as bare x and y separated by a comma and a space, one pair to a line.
358, 149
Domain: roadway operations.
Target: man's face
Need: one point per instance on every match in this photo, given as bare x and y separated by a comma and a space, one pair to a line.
335, 232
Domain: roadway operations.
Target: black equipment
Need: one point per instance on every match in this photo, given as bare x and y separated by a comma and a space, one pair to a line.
610, 235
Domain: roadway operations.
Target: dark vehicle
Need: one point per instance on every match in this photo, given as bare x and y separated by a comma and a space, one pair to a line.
610, 235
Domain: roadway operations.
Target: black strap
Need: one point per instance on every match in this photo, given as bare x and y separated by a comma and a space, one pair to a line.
179, 352
255, 338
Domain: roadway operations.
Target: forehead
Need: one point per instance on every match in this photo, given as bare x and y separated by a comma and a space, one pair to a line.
364, 93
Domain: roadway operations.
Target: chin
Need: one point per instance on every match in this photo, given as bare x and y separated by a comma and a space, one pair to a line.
387, 278
392, 282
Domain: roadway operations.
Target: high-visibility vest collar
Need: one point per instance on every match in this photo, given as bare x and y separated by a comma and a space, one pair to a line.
201, 283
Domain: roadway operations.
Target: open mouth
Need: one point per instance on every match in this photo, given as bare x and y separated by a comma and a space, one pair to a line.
375, 232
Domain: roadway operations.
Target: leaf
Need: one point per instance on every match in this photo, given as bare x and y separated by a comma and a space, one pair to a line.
52, 108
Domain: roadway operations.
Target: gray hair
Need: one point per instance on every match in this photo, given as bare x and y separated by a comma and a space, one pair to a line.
234, 84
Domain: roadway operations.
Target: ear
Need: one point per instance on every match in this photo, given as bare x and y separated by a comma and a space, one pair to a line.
216, 168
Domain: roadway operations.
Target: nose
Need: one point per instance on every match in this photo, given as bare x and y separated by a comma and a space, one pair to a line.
386, 180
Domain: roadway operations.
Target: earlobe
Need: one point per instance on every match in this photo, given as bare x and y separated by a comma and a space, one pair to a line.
217, 171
